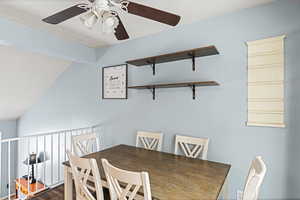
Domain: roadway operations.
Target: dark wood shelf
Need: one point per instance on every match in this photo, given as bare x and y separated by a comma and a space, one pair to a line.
174, 85
192, 85
182, 55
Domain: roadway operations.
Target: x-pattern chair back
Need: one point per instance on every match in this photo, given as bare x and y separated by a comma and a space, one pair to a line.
82, 170
149, 140
85, 144
192, 147
125, 185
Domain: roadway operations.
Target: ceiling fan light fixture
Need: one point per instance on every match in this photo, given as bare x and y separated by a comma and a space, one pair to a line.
110, 19
109, 22
90, 19
112, 22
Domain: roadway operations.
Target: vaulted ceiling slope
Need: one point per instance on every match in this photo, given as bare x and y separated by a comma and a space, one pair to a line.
24, 77
30, 13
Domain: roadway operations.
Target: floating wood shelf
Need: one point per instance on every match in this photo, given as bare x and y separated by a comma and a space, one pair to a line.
182, 55
192, 85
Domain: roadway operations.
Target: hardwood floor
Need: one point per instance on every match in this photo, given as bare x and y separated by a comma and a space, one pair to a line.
57, 193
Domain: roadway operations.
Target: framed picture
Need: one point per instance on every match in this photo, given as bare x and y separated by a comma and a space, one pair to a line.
114, 82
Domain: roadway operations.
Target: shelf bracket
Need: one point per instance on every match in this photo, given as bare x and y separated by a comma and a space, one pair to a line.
193, 60
153, 66
153, 92
194, 91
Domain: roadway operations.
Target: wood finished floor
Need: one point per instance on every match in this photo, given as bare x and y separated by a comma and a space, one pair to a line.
57, 193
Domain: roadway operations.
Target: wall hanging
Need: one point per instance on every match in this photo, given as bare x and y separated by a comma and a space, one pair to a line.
114, 82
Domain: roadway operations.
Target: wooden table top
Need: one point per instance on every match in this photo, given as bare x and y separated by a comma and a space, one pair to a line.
172, 177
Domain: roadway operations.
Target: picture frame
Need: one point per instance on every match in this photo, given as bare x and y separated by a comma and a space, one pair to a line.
115, 82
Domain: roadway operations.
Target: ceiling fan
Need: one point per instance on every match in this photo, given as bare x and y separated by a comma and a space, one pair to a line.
106, 13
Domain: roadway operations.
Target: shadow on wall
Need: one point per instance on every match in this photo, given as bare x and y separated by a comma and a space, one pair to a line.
293, 118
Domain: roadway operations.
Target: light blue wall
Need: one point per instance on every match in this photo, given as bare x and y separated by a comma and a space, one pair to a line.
8, 128
219, 113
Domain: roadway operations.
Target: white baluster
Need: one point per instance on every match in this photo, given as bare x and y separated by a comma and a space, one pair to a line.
8, 169
52, 159
36, 161
0, 161
65, 148
58, 166
28, 156
44, 163
19, 164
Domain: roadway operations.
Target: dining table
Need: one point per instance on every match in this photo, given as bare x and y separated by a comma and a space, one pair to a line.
172, 177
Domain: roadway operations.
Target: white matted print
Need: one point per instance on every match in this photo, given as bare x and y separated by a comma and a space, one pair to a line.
114, 82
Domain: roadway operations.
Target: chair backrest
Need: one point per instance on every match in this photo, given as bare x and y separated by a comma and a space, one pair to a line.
84, 144
82, 170
192, 147
254, 180
124, 185
149, 140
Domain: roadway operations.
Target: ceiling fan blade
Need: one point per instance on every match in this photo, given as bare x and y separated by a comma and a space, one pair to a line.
121, 33
66, 14
153, 14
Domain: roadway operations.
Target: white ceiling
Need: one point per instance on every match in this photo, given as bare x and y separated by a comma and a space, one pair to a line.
30, 12
24, 77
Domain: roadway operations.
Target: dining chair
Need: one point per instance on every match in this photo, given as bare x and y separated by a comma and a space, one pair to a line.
85, 144
192, 147
149, 140
83, 169
131, 182
254, 180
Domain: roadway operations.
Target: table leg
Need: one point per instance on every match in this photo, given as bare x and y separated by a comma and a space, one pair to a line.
68, 184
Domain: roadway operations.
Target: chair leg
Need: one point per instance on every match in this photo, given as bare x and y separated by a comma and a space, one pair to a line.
68, 184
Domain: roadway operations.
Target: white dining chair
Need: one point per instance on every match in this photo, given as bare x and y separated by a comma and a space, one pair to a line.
83, 169
149, 140
85, 144
192, 147
132, 182
254, 180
